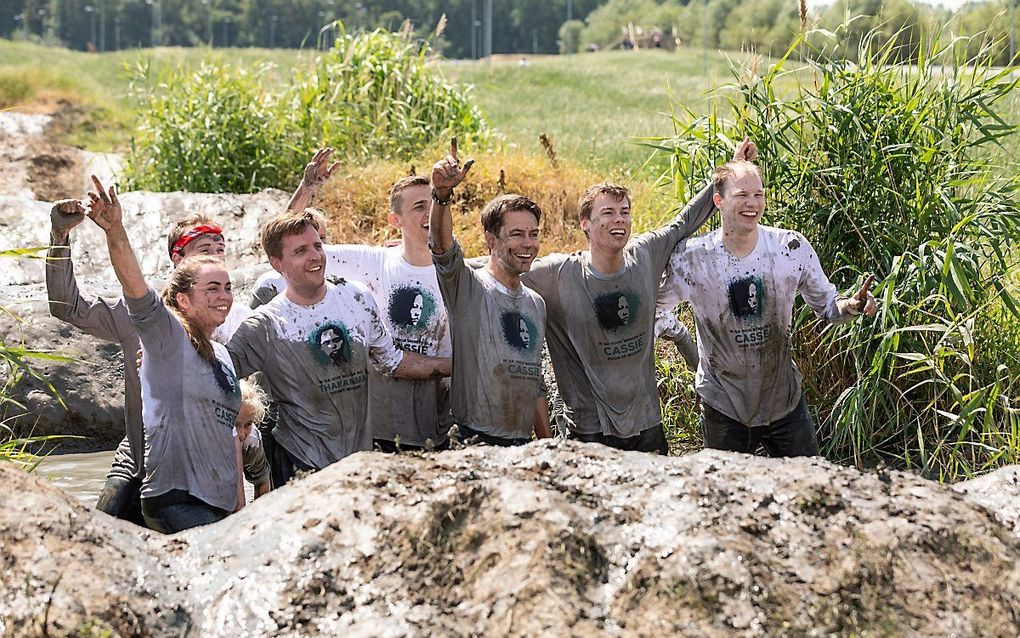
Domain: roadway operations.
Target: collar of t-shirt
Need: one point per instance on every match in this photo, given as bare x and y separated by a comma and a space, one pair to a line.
484, 274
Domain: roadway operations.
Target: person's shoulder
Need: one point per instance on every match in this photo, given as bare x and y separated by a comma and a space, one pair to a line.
700, 244
784, 238
269, 277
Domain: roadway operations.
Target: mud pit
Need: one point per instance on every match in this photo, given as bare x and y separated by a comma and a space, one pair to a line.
555, 538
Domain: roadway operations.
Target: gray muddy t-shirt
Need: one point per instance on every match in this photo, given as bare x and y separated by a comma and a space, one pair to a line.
497, 348
411, 305
601, 327
743, 310
314, 361
189, 409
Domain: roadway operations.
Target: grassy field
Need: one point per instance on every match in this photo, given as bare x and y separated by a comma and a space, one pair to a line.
591, 106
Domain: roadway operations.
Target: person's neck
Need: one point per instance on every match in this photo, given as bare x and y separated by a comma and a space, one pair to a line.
740, 243
511, 281
308, 297
605, 261
417, 255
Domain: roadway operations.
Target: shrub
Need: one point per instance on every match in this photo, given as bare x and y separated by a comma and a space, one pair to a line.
231, 129
14, 88
899, 171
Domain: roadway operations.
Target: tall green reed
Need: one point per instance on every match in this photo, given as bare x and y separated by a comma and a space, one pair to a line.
899, 170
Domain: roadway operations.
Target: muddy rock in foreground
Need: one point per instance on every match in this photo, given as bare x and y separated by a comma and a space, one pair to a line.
555, 538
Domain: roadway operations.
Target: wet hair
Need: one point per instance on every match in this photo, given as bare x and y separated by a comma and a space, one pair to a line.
587, 201
496, 210
283, 225
396, 193
181, 280
255, 397
722, 175
183, 226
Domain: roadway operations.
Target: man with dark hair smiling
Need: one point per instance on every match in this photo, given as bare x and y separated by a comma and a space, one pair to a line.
741, 281
498, 324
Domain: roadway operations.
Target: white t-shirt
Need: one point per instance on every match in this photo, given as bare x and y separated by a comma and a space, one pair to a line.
743, 310
314, 361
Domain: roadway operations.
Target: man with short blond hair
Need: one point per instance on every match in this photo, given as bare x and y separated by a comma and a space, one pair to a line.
319, 381
741, 281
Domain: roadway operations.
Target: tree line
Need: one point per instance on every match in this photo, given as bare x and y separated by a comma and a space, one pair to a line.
521, 26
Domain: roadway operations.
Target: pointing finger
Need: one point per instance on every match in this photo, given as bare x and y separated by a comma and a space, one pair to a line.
453, 146
863, 293
467, 166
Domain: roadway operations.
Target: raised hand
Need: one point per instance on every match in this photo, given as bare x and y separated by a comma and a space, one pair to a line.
863, 301
317, 172
64, 216
448, 173
746, 151
105, 208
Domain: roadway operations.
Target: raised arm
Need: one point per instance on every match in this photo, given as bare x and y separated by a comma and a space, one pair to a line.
446, 174
317, 172
106, 212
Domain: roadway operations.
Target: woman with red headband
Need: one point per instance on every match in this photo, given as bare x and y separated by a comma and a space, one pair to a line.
190, 395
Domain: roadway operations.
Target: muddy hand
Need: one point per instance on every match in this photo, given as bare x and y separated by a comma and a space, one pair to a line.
863, 300
448, 172
316, 171
746, 151
65, 215
105, 207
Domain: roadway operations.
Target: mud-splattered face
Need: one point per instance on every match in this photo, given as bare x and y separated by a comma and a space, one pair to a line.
210, 298
245, 421
610, 223
516, 246
742, 202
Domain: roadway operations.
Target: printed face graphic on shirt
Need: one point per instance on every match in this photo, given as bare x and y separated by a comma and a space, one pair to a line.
225, 379
747, 297
519, 331
331, 344
616, 310
411, 308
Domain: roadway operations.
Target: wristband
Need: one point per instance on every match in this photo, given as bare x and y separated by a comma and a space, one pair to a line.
442, 202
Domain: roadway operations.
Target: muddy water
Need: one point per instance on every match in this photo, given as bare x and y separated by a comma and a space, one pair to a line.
81, 475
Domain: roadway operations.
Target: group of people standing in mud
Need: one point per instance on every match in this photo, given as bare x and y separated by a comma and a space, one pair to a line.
403, 347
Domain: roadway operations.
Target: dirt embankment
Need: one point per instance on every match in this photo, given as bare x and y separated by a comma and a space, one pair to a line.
555, 538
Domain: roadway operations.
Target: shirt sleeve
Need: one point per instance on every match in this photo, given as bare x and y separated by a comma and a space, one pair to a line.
249, 346
384, 354
660, 243
353, 261
816, 289
673, 288
256, 467
456, 280
96, 317
158, 329
266, 287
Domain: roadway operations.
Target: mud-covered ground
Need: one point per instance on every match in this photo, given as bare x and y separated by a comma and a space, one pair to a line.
552, 539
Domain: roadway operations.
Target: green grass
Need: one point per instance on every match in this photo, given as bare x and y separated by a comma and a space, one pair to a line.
594, 105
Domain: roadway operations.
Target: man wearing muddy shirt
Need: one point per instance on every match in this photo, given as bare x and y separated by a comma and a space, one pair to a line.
313, 345
109, 321
601, 305
498, 324
405, 414
741, 281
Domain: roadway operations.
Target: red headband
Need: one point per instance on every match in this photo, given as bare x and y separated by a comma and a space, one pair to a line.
192, 235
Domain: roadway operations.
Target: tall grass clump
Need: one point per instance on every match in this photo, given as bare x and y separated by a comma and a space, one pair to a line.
227, 128
898, 171
211, 130
375, 95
